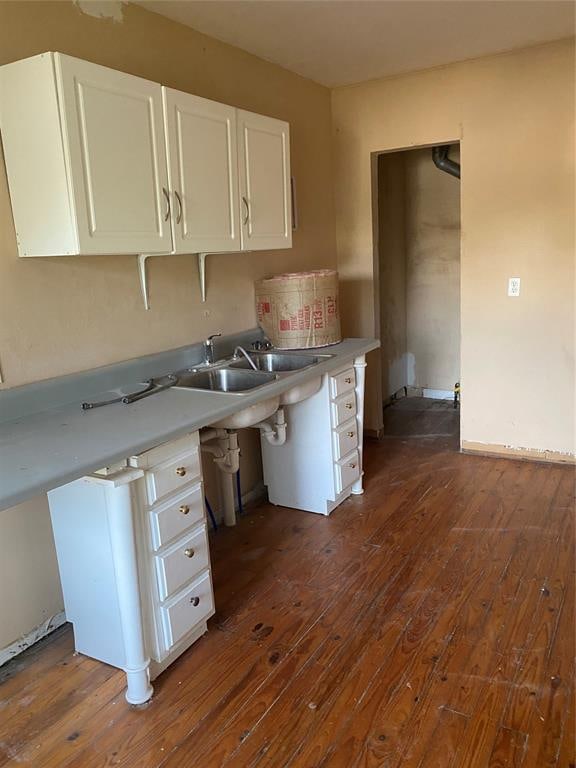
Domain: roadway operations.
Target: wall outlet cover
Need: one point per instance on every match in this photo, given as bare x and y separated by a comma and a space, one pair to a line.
514, 286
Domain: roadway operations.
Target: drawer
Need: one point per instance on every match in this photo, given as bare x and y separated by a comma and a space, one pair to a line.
195, 604
347, 471
174, 518
345, 438
172, 475
343, 409
342, 382
163, 453
182, 562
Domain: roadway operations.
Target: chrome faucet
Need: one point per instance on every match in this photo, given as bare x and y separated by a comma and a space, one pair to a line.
241, 351
209, 349
261, 345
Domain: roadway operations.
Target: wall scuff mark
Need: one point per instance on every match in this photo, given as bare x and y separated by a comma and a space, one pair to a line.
102, 9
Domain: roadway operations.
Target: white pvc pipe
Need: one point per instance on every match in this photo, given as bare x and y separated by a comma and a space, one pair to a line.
230, 460
211, 434
275, 433
214, 450
227, 458
122, 539
227, 499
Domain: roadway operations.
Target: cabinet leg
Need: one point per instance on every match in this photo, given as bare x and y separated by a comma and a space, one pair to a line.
121, 526
360, 369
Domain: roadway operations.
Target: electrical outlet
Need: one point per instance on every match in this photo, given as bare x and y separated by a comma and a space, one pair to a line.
514, 286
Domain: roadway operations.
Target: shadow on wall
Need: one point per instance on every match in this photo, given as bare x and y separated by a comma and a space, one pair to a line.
356, 301
356, 310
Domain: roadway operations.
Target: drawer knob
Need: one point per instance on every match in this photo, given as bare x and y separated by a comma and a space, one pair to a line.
350, 434
348, 405
195, 601
184, 509
189, 552
180, 471
352, 465
348, 380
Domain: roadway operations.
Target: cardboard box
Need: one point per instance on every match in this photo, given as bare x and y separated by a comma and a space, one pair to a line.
298, 310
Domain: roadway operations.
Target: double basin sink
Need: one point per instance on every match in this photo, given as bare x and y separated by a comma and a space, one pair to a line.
237, 376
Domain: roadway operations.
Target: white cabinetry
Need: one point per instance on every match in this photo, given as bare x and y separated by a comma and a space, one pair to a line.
102, 162
264, 153
135, 564
320, 464
85, 156
203, 173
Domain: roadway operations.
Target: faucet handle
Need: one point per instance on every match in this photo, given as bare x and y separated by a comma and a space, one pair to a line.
213, 336
261, 344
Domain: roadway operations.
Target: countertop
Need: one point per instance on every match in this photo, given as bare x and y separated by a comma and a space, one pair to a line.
47, 440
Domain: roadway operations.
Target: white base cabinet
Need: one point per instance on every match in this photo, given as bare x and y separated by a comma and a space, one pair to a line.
320, 464
134, 561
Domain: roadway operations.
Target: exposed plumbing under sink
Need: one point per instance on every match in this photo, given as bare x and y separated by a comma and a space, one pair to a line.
226, 455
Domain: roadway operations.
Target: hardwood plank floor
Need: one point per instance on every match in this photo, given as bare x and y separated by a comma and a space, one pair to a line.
427, 623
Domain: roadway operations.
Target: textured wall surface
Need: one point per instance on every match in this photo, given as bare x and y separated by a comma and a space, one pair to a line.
60, 315
517, 355
432, 273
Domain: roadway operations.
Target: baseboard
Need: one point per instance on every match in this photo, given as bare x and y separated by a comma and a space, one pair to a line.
508, 452
19, 646
256, 494
438, 394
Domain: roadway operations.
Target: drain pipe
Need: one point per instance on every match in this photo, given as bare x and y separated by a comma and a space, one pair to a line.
443, 162
274, 433
227, 458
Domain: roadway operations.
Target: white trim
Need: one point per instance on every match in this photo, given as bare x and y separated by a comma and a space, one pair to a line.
257, 493
438, 394
36, 634
360, 376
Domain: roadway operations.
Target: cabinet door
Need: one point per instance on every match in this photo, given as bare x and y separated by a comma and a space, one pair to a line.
115, 145
203, 173
264, 154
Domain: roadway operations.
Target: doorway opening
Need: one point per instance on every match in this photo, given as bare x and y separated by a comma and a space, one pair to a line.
418, 253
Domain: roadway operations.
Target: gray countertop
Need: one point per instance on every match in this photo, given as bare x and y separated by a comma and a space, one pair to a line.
46, 440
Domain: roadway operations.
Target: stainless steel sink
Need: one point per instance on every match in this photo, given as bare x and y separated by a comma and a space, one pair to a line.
279, 362
223, 380
233, 381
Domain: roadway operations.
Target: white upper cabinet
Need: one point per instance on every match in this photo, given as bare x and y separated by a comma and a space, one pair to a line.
93, 153
102, 162
203, 171
264, 163
116, 144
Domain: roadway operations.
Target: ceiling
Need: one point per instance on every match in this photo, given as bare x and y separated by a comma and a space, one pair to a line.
338, 42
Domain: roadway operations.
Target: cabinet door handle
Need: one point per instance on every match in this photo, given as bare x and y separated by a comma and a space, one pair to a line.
348, 380
189, 552
247, 216
180, 471
167, 196
349, 406
350, 434
179, 216
195, 601
184, 509
352, 466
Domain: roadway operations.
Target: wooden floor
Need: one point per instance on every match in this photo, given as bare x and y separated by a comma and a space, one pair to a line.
428, 623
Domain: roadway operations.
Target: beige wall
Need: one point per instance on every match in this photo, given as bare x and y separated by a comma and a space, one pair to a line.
30, 591
392, 263
419, 265
61, 315
514, 115
432, 273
